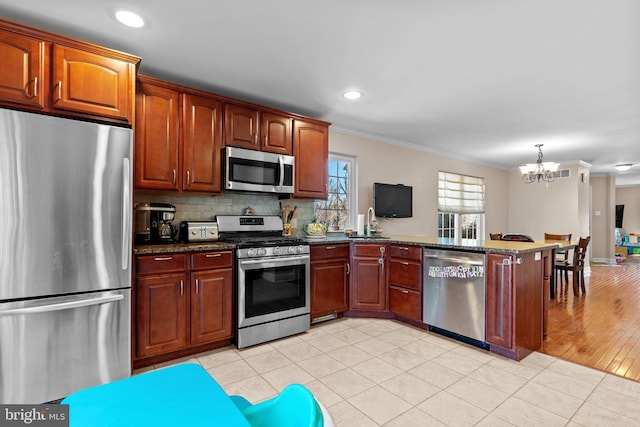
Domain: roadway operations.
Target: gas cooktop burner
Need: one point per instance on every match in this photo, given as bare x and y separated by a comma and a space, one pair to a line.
246, 242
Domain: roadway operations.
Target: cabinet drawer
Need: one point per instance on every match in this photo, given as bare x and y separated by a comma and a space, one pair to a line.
405, 302
406, 252
369, 249
161, 263
405, 273
211, 260
329, 251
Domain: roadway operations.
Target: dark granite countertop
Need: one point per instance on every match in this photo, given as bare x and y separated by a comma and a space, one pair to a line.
182, 247
494, 246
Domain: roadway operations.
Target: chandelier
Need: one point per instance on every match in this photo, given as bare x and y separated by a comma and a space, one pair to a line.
539, 171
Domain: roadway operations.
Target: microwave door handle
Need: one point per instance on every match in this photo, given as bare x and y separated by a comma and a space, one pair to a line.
281, 162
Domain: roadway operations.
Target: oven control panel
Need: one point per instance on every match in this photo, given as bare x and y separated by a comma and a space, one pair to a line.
273, 251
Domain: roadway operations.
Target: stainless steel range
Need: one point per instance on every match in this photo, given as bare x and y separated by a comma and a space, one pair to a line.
272, 280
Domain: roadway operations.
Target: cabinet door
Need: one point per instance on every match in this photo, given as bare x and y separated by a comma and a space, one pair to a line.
368, 291
161, 321
22, 76
500, 300
92, 83
311, 151
275, 131
329, 287
241, 127
202, 139
211, 306
156, 138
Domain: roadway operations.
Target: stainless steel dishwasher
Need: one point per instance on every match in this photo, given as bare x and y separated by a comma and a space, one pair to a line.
454, 294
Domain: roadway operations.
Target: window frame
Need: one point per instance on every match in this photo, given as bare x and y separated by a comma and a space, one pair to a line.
352, 191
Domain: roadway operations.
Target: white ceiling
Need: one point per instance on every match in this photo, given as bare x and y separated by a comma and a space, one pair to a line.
480, 80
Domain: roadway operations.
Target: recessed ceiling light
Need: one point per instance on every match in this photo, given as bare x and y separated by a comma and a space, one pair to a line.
352, 94
130, 19
624, 167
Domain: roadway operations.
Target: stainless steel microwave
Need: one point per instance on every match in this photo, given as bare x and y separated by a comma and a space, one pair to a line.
251, 170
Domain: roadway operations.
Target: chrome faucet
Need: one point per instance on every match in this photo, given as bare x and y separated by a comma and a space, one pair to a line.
371, 216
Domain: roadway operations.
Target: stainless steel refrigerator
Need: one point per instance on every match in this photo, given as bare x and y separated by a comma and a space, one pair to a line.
65, 255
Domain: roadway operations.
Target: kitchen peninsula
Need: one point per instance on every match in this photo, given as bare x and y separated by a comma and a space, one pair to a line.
382, 276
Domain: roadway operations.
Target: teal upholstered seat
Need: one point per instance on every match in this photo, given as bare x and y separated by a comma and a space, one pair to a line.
295, 406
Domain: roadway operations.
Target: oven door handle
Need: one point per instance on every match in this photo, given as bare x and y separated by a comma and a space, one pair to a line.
276, 262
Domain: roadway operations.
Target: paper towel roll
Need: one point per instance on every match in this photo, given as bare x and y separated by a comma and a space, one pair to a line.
360, 227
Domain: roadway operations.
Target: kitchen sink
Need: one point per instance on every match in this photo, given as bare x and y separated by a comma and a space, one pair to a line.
373, 237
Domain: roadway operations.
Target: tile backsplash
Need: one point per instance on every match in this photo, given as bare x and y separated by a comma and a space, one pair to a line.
205, 208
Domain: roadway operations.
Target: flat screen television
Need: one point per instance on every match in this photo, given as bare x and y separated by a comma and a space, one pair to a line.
392, 200
619, 215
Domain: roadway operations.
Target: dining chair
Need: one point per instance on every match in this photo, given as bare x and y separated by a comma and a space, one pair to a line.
561, 255
495, 236
576, 267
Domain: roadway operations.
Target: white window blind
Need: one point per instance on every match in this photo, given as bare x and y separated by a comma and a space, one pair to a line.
460, 193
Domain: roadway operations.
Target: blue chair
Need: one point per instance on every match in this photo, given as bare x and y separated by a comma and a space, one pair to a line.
295, 406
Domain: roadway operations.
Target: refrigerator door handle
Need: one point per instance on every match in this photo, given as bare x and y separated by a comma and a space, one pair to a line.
126, 212
62, 305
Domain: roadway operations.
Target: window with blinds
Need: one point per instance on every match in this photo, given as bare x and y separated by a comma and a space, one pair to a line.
460, 193
460, 206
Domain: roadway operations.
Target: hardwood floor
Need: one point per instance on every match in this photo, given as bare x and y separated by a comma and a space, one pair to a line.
599, 329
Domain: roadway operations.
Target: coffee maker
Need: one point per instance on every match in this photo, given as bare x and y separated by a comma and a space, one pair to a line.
153, 223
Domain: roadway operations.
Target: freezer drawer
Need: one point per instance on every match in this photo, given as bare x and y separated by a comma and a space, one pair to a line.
51, 347
454, 292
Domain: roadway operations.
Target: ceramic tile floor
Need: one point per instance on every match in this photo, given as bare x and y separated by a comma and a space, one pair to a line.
373, 372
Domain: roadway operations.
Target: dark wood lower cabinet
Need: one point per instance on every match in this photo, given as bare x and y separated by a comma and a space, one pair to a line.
369, 277
405, 303
499, 300
405, 281
211, 305
161, 314
329, 279
184, 304
516, 287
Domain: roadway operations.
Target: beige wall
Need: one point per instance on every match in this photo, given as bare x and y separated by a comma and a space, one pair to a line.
388, 163
630, 198
561, 207
603, 218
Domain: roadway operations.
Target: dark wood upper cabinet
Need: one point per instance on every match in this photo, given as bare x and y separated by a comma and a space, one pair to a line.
44, 72
255, 129
275, 132
178, 138
157, 137
92, 83
311, 151
202, 143
241, 127
22, 76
